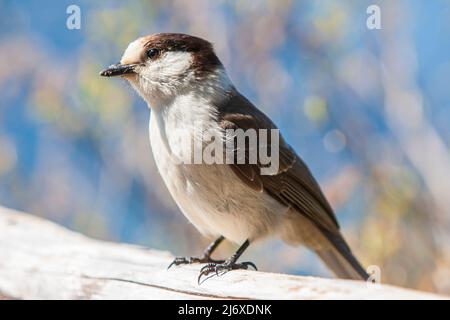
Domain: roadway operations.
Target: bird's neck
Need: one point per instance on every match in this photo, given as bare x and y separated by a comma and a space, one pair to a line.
207, 89
183, 114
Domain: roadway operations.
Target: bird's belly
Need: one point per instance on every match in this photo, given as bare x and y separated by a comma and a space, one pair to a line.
215, 200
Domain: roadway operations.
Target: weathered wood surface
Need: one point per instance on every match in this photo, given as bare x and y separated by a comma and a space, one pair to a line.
41, 260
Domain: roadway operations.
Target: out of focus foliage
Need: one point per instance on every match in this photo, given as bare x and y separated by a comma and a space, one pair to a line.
368, 110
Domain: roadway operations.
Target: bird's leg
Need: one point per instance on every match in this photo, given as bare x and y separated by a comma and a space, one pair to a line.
206, 257
227, 265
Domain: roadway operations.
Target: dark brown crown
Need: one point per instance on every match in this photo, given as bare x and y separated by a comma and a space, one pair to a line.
204, 58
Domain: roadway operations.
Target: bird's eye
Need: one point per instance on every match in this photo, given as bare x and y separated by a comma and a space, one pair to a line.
152, 53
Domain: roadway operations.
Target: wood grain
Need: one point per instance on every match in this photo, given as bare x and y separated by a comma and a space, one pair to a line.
41, 260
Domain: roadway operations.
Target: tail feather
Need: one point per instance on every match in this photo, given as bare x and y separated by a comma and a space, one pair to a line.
341, 260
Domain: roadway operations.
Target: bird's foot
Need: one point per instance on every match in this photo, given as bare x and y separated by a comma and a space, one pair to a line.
222, 268
191, 260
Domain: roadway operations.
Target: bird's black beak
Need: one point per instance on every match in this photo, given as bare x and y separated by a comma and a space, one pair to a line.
118, 70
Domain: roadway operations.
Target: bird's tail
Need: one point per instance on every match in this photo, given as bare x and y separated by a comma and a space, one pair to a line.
340, 259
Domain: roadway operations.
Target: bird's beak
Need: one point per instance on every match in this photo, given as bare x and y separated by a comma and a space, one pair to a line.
118, 70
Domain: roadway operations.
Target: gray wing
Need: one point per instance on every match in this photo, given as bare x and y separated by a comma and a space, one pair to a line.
294, 184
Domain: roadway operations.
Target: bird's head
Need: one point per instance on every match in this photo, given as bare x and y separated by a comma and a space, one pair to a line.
164, 65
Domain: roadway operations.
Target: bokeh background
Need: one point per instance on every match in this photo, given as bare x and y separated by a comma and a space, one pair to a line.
368, 110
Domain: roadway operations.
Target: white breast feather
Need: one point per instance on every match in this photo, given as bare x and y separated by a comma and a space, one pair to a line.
212, 197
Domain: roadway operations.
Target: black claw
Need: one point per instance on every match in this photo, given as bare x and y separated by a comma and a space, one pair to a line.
207, 266
205, 271
180, 260
199, 278
251, 264
224, 268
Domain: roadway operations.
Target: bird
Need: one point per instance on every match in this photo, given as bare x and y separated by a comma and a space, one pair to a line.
186, 86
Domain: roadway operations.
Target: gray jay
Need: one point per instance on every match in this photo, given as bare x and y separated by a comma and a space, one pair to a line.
185, 84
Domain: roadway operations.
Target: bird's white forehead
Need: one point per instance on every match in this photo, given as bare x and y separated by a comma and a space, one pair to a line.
133, 52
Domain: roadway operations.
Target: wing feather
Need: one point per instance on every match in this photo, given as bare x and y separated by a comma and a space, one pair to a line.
293, 184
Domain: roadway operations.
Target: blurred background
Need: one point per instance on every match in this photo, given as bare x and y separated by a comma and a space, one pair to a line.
373, 108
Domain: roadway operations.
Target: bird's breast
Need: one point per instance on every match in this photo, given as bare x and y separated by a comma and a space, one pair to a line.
211, 196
